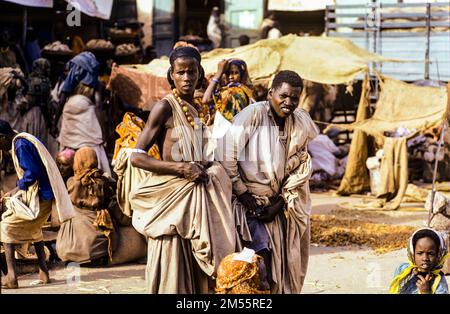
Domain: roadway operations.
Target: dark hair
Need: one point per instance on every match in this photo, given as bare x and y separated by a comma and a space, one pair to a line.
270, 13
244, 40
242, 66
286, 76
185, 52
5, 129
426, 233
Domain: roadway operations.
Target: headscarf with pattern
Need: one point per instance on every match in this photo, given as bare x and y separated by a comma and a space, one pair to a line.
243, 71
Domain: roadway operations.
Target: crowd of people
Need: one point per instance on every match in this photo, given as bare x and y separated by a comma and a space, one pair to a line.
225, 216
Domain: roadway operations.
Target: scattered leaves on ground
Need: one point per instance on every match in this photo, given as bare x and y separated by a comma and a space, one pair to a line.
328, 230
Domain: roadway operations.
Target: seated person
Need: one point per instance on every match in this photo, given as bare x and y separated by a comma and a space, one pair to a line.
90, 235
64, 161
99, 233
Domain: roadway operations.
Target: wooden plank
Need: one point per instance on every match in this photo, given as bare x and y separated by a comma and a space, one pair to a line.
403, 25
337, 15
352, 25
410, 49
413, 5
390, 25
402, 15
387, 5
391, 34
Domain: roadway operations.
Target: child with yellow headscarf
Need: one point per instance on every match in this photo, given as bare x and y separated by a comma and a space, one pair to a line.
230, 89
427, 253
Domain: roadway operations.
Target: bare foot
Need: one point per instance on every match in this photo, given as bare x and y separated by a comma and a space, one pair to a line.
10, 283
44, 277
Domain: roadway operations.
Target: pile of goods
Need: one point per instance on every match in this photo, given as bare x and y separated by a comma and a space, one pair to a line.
57, 46
125, 49
121, 32
99, 44
122, 36
328, 230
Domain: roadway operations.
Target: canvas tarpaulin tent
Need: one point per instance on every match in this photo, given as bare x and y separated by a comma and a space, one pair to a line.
95, 8
400, 105
403, 104
298, 5
34, 3
320, 59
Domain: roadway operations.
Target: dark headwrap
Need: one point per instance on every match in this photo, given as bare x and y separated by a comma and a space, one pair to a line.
185, 52
39, 84
241, 65
243, 71
83, 68
85, 166
41, 68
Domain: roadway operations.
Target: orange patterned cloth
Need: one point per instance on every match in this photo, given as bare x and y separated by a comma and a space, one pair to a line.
231, 99
239, 277
129, 130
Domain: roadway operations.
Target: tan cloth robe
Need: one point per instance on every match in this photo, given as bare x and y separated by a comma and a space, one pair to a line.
190, 227
262, 160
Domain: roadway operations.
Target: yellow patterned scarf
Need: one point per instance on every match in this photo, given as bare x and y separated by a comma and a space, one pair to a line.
231, 99
129, 130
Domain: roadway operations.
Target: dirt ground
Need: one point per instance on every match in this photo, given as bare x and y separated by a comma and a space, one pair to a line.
343, 269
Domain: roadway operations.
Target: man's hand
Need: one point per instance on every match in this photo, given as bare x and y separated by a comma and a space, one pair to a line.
270, 212
54, 130
423, 284
248, 201
193, 171
12, 192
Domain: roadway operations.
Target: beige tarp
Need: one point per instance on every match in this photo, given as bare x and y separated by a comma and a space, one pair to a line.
400, 104
356, 177
403, 104
320, 59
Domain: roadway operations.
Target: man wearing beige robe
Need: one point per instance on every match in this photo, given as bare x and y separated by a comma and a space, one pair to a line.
183, 206
266, 158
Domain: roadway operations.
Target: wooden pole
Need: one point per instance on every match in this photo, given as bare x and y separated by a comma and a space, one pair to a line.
447, 115
445, 122
25, 26
427, 49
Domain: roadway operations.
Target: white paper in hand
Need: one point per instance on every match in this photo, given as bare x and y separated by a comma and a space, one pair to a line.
246, 255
